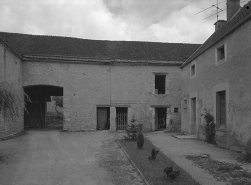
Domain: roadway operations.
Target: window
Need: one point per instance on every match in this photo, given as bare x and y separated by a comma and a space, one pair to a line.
221, 108
176, 110
185, 104
192, 71
160, 81
221, 53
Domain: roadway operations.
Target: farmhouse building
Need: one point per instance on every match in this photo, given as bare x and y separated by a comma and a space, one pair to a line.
104, 84
216, 78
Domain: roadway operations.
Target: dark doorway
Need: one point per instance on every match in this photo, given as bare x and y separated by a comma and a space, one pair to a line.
221, 108
35, 113
103, 118
121, 118
193, 115
160, 118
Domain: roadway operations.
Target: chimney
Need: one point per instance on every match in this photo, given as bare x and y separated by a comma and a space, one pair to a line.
219, 24
232, 7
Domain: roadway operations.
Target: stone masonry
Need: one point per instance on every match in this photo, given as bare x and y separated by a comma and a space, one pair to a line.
11, 72
86, 87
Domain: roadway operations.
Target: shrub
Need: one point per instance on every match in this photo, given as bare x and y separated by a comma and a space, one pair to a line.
140, 140
58, 102
209, 129
132, 129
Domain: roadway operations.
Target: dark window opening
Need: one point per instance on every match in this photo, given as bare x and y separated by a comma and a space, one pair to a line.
221, 53
160, 81
221, 108
176, 109
185, 104
192, 70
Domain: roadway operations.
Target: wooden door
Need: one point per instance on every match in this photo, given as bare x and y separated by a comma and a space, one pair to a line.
102, 117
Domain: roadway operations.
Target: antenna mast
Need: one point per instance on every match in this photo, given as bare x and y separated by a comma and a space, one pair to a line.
217, 11
215, 6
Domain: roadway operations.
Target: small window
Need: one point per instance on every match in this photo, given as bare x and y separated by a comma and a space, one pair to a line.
221, 108
193, 70
185, 104
221, 53
176, 110
160, 81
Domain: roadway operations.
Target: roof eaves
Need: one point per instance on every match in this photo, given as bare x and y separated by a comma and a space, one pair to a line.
73, 59
191, 58
11, 48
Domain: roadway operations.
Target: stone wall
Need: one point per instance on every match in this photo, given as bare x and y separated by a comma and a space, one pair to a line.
232, 75
87, 86
11, 74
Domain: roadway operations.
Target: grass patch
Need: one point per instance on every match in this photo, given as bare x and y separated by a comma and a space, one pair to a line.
223, 171
153, 171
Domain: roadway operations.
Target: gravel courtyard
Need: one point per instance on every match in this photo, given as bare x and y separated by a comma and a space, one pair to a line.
46, 157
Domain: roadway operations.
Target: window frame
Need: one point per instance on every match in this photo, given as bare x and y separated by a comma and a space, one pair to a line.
185, 102
193, 70
220, 108
216, 89
164, 83
219, 60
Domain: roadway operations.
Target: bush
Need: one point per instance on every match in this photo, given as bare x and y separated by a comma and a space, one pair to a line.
209, 129
132, 129
140, 140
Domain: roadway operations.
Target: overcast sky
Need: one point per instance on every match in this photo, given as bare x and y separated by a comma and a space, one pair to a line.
137, 20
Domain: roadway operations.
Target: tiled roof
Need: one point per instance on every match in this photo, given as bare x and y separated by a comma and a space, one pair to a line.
241, 17
38, 45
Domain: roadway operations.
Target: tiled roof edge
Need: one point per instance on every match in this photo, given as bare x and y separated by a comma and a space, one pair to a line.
98, 60
10, 48
191, 58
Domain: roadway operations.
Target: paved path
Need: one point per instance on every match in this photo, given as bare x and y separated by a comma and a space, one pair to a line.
51, 157
177, 150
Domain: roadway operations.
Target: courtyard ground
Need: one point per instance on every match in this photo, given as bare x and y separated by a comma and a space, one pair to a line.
48, 156
206, 163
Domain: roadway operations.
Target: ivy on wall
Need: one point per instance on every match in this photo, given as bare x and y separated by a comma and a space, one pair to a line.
11, 101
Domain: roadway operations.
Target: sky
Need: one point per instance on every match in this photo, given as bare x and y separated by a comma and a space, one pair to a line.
173, 21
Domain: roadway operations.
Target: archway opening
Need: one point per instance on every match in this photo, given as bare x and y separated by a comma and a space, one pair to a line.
38, 113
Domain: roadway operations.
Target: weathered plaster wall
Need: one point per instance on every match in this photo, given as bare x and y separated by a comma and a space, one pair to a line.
87, 87
232, 75
11, 72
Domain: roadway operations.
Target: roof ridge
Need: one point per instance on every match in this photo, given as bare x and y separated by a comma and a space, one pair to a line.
56, 36
26, 44
225, 30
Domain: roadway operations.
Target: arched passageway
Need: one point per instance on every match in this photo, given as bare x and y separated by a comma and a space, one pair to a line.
39, 95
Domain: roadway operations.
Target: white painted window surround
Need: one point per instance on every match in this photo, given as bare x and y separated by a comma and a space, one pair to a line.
221, 54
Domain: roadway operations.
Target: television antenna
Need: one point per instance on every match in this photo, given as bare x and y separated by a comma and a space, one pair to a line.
214, 6
219, 10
